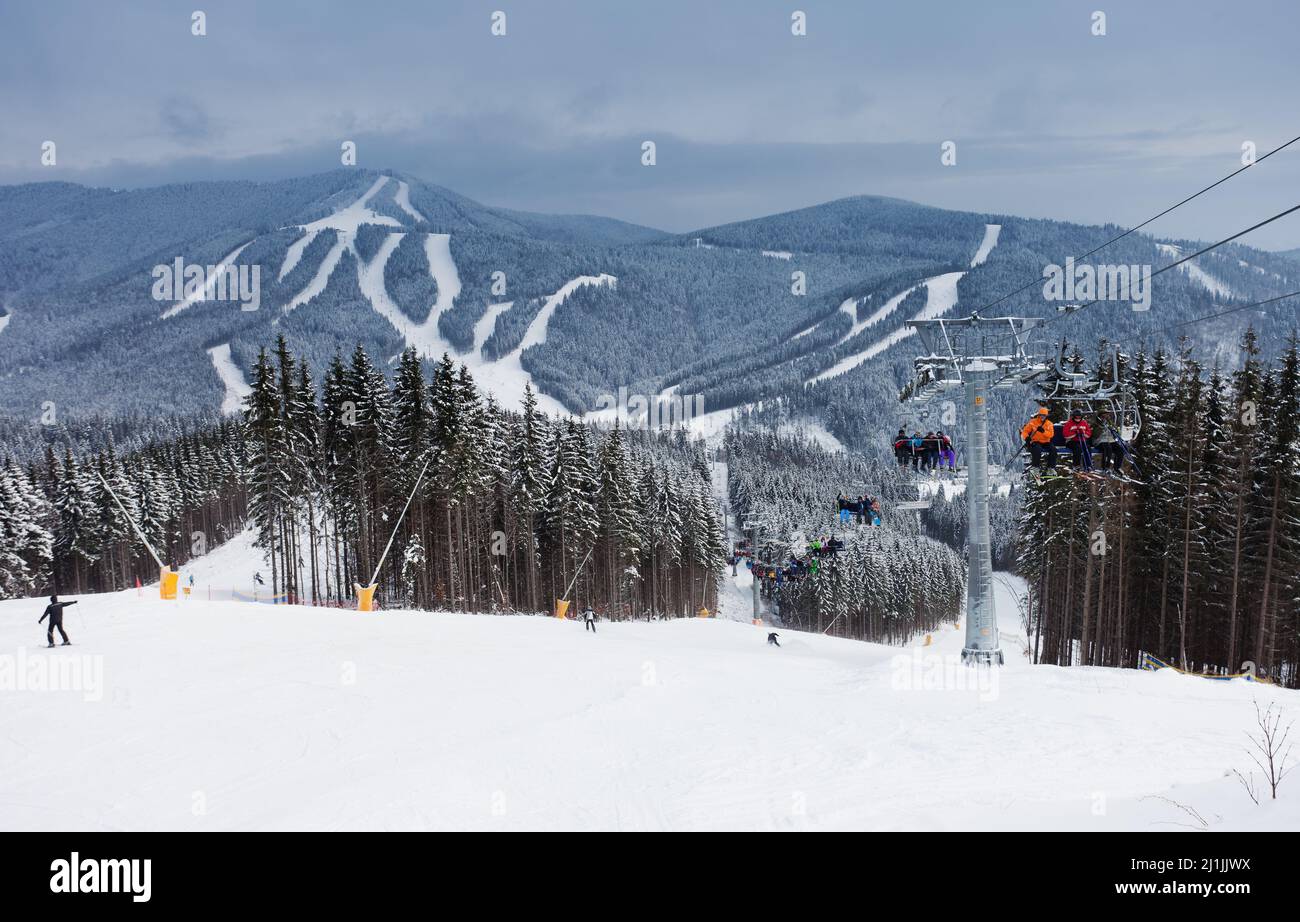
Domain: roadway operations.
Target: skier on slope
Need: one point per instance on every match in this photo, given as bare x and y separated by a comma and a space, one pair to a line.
771, 640
589, 619
54, 611
1037, 434
257, 578
1077, 432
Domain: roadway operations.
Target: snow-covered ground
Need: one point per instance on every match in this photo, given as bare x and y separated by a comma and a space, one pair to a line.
1211, 284
4, 320
208, 286
233, 379
940, 297
991, 234
197, 715
402, 197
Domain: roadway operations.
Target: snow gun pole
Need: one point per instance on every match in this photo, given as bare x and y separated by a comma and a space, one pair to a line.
366, 594
562, 604
168, 579
134, 527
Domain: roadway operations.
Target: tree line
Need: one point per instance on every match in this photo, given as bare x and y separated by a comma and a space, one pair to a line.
1199, 562
887, 585
68, 523
507, 511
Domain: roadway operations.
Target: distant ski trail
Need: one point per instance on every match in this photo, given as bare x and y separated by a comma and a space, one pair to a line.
941, 297
487, 323
403, 199
991, 234
345, 221
1195, 272
208, 284
233, 379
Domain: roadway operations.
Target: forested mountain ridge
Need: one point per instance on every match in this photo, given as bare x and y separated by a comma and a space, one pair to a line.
808, 306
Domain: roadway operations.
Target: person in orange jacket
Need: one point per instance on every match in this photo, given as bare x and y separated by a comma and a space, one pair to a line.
1037, 434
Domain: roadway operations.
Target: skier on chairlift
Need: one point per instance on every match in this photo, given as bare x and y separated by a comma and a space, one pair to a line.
1037, 434
902, 449
1107, 442
1077, 432
947, 455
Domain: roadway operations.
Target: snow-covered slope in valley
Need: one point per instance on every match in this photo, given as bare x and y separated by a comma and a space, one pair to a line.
300, 718
231, 377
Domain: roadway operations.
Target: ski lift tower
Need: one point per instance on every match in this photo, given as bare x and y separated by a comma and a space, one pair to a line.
975, 354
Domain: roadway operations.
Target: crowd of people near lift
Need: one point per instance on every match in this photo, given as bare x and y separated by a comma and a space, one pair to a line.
930, 452
1090, 447
862, 510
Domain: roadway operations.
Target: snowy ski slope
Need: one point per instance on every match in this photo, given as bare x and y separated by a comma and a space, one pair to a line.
226, 715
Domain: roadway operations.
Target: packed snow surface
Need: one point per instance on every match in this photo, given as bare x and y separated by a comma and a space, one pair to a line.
991, 234
207, 288
231, 377
940, 297
1209, 282
229, 715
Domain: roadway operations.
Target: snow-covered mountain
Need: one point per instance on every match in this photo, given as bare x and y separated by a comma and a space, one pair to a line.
809, 306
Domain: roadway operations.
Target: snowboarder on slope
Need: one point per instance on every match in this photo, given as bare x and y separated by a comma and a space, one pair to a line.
54, 611
257, 578
589, 619
771, 640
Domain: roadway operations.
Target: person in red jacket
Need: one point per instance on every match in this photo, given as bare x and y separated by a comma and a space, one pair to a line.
1078, 432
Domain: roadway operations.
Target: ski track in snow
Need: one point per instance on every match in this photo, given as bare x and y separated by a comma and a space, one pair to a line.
991, 234
941, 296
322, 276
403, 200
1195, 272
208, 285
821, 734
504, 378
236, 387
345, 222
735, 593
487, 324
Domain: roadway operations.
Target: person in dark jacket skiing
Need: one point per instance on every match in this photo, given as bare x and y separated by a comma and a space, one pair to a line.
54, 611
771, 640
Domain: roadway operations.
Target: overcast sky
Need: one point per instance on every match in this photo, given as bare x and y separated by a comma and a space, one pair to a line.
1049, 120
